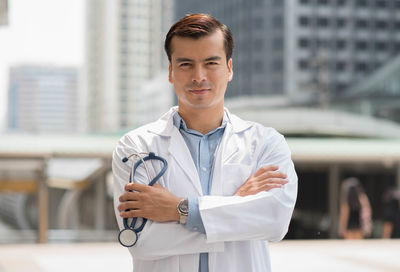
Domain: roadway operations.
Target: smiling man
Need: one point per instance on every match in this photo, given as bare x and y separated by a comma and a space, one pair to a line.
231, 185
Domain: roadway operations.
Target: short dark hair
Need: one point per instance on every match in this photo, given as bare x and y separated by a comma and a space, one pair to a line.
196, 26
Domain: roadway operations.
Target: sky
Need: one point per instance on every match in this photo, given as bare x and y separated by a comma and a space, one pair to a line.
49, 32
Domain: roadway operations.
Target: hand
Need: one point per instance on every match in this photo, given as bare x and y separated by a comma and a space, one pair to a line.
152, 202
265, 179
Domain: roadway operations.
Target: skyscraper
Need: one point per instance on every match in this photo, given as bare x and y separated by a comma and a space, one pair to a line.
258, 32
304, 50
124, 49
43, 99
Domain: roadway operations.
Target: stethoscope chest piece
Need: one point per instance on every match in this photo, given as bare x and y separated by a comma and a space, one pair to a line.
128, 237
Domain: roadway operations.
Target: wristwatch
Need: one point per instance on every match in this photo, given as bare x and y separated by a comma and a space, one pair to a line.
183, 210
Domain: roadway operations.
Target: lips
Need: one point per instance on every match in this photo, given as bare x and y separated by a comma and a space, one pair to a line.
199, 91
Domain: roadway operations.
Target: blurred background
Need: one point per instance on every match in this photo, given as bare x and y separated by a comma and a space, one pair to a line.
76, 75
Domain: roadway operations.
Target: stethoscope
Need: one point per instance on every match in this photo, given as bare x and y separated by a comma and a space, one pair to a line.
129, 235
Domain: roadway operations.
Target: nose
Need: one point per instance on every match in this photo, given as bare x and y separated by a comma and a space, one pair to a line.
199, 74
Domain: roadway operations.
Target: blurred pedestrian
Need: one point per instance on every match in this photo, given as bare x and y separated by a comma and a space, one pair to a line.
355, 211
391, 225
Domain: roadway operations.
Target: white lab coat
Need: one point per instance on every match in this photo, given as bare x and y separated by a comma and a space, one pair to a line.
237, 228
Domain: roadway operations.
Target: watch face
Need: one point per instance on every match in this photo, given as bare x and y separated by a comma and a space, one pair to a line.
127, 237
183, 207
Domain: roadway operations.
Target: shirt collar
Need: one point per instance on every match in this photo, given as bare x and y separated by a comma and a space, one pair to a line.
180, 124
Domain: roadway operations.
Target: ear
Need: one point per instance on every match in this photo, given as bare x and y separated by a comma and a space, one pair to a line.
230, 70
170, 73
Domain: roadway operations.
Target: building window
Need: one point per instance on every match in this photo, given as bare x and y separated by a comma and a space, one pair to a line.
341, 86
380, 46
303, 64
323, 2
361, 67
341, 44
341, 22
304, 2
340, 3
397, 47
361, 3
361, 23
361, 45
381, 4
323, 22
304, 21
381, 24
340, 66
304, 43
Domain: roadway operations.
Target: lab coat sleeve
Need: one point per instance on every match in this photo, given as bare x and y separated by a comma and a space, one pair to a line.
157, 240
264, 216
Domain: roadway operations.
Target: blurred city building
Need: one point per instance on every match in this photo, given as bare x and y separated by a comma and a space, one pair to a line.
154, 98
124, 49
3, 12
377, 95
331, 45
306, 51
43, 99
258, 32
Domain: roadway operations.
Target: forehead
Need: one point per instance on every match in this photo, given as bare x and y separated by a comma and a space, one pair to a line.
210, 45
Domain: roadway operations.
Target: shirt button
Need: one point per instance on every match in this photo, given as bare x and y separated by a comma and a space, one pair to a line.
204, 169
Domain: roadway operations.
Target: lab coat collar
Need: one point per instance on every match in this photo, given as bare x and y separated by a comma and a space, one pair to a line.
165, 126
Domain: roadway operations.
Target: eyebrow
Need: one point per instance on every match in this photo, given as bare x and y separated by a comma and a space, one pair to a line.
183, 60
191, 60
213, 58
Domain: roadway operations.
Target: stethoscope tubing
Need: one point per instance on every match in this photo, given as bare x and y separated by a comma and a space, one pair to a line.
150, 156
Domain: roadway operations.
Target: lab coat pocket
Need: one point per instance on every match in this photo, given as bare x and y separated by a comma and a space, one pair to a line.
234, 175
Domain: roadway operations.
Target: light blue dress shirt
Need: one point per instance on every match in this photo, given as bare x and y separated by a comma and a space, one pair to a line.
203, 149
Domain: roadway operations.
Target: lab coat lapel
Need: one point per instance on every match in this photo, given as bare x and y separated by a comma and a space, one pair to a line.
226, 150
177, 147
180, 152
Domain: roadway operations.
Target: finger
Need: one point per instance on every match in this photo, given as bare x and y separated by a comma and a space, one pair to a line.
129, 205
270, 186
266, 168
136, 187
271, 174
274, 181
131, 214
129, 196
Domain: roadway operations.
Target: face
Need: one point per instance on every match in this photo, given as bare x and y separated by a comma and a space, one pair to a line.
199, 72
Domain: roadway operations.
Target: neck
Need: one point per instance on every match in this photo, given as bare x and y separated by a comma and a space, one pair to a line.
202, 120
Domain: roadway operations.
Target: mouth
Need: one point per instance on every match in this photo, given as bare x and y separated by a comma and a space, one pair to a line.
199, 91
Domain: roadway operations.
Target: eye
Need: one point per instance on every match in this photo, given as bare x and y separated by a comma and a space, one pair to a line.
212, 63
184, 64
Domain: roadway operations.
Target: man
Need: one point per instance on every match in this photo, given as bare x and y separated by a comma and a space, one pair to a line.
223, 170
